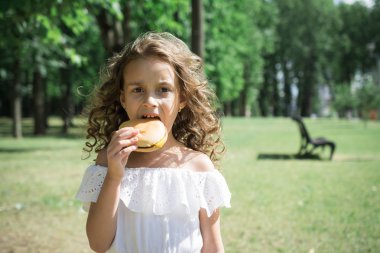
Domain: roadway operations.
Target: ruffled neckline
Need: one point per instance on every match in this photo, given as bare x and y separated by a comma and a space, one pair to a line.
183, 168
162, 191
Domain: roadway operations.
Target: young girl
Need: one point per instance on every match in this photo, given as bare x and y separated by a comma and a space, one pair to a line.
167, 200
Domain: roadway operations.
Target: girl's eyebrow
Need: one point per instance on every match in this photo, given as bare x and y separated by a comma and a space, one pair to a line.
140, 82
134, 83
168, 82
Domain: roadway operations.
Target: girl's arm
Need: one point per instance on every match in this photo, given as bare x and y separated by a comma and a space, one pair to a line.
210, 226
102, 216
101, 220
210, 229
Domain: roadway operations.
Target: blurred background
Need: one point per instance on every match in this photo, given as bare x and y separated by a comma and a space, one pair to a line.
263, 58
266, 60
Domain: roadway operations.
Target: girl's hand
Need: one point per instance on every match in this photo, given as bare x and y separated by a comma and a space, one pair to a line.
122, 143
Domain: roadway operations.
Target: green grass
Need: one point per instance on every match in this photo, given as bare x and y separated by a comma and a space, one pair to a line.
277, 205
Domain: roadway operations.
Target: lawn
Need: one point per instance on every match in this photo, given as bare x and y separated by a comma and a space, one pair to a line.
278, 205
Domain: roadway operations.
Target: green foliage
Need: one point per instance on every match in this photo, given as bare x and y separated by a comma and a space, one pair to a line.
237, 35
50, 37
248, 44
364, 99
368, 97
161, 16
304, 46
356, 35
344, 99
375, 26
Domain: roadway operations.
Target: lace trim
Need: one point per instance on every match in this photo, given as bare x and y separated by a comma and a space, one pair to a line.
161, 190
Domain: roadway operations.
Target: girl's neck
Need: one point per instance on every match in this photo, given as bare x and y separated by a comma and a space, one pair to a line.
172, 154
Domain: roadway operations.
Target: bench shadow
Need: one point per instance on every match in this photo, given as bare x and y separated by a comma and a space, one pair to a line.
273, 156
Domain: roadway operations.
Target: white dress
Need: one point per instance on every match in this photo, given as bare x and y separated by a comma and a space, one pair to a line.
158, 211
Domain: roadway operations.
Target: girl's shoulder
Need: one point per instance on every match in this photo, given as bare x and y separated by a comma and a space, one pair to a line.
198, 161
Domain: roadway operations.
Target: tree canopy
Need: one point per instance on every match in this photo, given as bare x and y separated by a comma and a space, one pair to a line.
268, 58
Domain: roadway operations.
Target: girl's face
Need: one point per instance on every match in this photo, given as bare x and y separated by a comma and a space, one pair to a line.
151, 90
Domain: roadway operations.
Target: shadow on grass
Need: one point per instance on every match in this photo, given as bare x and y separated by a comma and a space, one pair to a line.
288, 157
27, 150
75, 132
54, 129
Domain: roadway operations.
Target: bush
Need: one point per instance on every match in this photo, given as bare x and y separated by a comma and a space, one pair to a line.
368, 99
344, 100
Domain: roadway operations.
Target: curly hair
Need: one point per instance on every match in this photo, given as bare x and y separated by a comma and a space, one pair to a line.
197, 126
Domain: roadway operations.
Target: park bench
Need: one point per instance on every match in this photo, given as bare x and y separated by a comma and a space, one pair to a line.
308, 145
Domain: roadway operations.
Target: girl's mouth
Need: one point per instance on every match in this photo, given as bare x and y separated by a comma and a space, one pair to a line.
151, 116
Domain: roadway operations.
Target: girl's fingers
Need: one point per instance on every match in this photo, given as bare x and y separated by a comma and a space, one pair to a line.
120, 137
126, 132
119, 145
122, 143
124, 153
128, 150
123, 132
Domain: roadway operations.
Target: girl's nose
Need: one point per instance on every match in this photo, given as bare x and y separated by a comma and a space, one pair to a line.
150, 102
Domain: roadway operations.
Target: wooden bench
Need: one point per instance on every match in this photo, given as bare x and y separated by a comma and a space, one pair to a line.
308, 145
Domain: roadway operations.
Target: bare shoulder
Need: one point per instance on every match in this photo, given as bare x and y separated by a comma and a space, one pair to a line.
200, 162
101, 159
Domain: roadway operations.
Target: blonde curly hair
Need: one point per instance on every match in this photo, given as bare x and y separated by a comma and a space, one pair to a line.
197, 126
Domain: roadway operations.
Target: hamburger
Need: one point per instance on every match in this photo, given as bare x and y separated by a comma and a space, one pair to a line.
152, 136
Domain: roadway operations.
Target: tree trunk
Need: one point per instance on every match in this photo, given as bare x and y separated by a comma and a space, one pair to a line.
245, 110
106, 34
197, 32
16, 101
263, 100
308, 80
126, 27
287, 90
67, 100
276, 103
308, 85
38, 103
227, 106
235, 107
269, 103
114, 33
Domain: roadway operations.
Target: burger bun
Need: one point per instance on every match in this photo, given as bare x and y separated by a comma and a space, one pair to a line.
152, 133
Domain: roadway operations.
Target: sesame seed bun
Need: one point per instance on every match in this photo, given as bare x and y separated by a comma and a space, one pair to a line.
152, 136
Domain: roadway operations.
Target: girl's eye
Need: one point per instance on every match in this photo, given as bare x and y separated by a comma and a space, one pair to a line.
137, 90
164, 89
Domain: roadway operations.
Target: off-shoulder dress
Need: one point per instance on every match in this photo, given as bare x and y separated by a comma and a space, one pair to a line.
159, 208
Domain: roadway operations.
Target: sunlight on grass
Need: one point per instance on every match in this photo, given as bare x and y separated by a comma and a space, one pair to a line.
301, 205
277, 205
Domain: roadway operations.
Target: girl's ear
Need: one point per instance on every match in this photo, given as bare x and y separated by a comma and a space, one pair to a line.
182, 105
182, 101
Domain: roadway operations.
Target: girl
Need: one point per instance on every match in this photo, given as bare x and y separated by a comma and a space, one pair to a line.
166, 200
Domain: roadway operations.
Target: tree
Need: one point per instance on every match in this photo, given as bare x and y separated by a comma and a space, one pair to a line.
236, 40
197, 31
10, 67
355, 38
162, 16
113, 19
368, 99
345, 101
375, 40
45, 40
20, 43
304, 43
